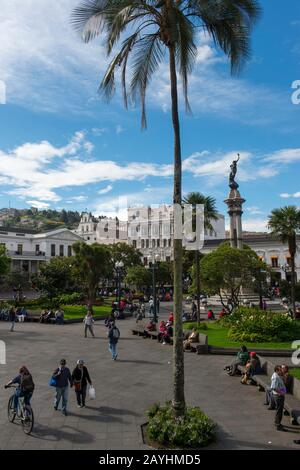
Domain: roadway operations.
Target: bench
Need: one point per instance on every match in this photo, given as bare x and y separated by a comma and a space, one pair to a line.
291, 403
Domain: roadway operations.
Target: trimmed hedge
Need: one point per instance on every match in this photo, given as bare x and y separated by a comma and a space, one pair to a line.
193, 431
256, 326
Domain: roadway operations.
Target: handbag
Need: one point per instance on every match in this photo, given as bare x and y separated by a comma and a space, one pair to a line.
53, 382
77, 386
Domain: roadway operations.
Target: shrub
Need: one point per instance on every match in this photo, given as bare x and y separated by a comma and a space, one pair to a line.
69, 299
194, 430
256, 326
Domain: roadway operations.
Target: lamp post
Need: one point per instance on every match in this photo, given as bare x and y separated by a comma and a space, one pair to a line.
288, 269
154, 266
119, 267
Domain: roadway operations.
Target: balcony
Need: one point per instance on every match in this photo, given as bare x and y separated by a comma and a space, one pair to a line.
27, 255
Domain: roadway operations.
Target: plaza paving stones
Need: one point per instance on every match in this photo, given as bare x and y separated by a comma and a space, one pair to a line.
125, 389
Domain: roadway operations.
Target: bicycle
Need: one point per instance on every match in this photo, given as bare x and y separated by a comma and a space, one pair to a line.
24, 413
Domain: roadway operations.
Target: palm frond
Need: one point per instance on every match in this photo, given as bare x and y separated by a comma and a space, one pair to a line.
89, 18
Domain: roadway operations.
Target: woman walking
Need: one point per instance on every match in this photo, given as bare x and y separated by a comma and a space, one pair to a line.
81, 377
88, 321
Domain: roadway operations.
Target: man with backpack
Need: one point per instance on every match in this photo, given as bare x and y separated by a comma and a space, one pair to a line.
25, 388
113, 338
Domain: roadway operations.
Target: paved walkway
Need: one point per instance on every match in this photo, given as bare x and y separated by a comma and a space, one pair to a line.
125, 389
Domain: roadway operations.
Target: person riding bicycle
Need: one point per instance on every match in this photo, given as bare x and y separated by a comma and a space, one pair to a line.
25, 388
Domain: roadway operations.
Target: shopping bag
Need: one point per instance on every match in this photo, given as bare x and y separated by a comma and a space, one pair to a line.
92, 393
52, 382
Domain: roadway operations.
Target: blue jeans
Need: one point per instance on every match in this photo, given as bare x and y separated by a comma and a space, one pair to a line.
113, 349
61, 393
19, 394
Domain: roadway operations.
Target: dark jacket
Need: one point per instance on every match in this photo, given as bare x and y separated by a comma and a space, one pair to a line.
12, 314
63, 377
111, 337
81, 375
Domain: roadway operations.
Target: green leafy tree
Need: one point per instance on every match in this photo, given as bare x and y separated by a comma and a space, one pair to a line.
94, 264
226, 270
4, 261
138, 276
152, 31
285, 224
129, 255
210, 214
57, 277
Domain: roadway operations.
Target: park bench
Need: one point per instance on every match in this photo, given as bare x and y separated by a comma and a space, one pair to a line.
291, 403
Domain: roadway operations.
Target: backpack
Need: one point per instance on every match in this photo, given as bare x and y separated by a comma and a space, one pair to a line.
27, 384
115, 333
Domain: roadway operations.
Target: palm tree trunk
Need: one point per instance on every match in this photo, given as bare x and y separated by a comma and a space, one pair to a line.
198, 289
178, 354
293, 272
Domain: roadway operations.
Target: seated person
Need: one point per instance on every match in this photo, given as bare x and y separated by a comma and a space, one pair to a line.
241, 360
151, 326
59, 317
192, 338
210, 315
162, 331
43, 316
253, 367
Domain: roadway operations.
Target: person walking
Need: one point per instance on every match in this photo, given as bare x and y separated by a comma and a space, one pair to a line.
12, 318
89, 321
81, 378
113, 338
63, 377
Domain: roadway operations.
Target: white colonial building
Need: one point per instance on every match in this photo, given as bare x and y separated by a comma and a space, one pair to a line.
105, 231
28, 249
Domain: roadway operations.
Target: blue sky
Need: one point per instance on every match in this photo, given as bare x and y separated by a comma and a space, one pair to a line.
62, 146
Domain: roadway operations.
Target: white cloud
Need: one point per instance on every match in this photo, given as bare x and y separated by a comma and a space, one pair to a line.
119, 129
254, 210
106, 190
288, 196
38, 204
284, 156
79, 198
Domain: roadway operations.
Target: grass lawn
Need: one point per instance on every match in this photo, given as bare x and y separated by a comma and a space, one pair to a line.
78, 311
295, 372
217, 336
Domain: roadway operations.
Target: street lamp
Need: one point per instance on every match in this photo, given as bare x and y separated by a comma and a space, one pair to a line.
119, 265
154, 266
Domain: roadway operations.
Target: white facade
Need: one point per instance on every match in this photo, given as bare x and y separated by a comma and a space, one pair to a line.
105, 231
271, 250
151, 231
28, 249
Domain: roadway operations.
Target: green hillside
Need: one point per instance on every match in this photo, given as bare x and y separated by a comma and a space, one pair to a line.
39, 220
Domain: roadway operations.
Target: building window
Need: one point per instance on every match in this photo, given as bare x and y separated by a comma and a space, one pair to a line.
143, 243
20, 249
134, 243
69, 250
53, 250
145, 261
61, 250
289, 261
274, 262
168, 259
158, 243
170, 242
153, 243
147, 243
37, 248
165, 243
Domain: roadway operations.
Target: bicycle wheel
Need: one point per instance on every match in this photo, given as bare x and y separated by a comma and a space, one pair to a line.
10, 410
27, 420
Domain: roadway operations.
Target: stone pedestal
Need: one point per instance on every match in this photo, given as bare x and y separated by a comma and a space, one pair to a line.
235, 210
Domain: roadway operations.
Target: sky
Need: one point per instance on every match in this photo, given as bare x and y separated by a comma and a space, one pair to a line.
62, 146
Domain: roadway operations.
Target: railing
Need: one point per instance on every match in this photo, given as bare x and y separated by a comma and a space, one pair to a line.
31, 254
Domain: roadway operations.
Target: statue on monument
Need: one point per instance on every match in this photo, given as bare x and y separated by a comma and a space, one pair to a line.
232, 183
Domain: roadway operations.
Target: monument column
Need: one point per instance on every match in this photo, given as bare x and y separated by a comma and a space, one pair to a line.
235, 208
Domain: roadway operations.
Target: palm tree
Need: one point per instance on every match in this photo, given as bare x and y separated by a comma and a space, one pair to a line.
157, 28
285, 224
210, 213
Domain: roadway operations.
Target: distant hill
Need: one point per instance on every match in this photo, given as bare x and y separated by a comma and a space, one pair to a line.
39, 220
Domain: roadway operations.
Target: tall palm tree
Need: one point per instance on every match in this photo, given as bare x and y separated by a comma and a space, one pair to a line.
285, 224
210, 214
156, 29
